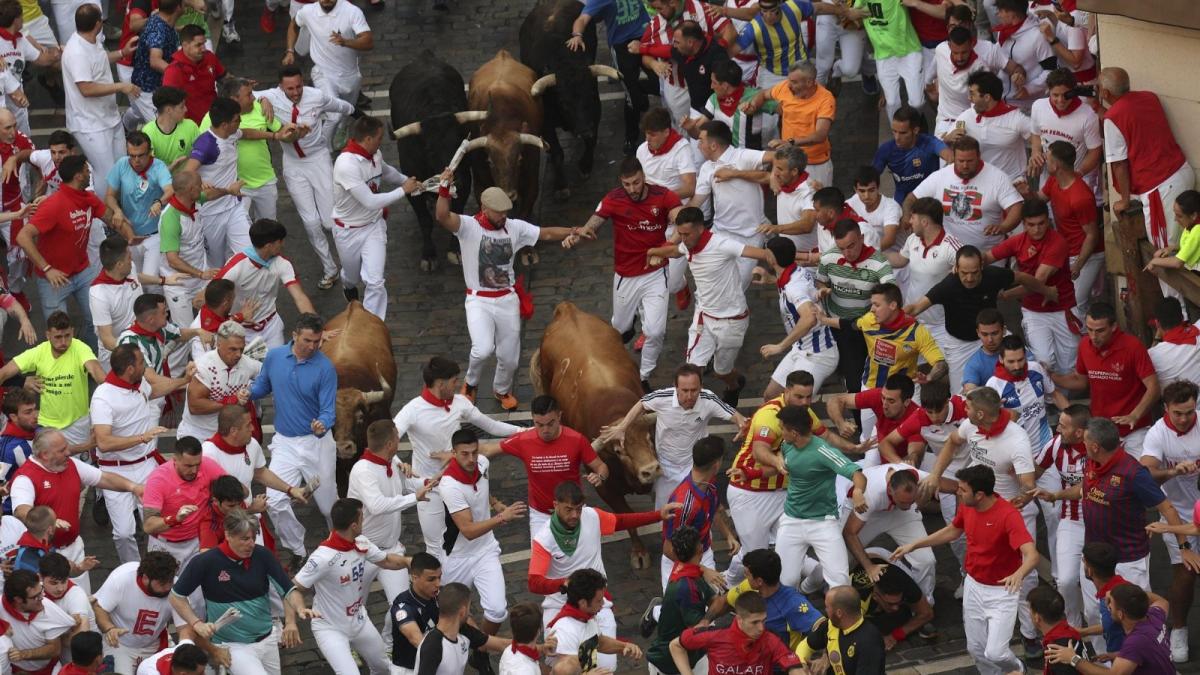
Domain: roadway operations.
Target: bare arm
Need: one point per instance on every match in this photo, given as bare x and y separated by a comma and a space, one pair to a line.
303, 303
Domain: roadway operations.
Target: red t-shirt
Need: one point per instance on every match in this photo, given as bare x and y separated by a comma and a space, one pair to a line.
199, 80
638, 226
1073, 208
872, 399
1114, 375
729, 650
929, 29
913, 424
1052, 250
11, 189
994, 539
64, 224
548, 464
142, 8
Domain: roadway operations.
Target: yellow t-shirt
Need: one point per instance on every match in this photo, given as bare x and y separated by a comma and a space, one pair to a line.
64, 381
765, 427
30, 10
895, 349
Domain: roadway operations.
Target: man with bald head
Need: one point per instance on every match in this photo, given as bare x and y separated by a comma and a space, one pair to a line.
181, 239
859, 642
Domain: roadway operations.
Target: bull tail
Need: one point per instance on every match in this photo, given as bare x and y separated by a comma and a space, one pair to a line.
535, 373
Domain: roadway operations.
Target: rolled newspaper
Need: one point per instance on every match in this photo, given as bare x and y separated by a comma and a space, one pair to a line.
230, 617
458, 155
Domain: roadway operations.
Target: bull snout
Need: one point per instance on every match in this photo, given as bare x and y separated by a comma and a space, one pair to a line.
649, 472
346, 449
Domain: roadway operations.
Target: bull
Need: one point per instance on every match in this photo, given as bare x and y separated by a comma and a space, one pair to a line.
430, 116
502, 90
566, 81
583, 364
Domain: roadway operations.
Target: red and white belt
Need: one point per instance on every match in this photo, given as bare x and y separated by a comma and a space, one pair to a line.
257, 327
154, 454
490, 294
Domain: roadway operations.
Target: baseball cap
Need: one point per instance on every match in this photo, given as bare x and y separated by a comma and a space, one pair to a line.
494, 198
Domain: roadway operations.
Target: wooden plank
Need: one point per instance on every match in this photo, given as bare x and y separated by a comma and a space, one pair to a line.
1144, 293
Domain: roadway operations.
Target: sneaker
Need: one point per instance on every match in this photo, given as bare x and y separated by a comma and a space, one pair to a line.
958, 592
266, 22
468, 391
639, 343
229, 33
870, 85
928, 632
327, 283
1033, 647
507, 401
731, 396
1179, 645
648, 621
683, 299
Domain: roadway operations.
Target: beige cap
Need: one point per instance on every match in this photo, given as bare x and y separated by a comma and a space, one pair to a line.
494, 198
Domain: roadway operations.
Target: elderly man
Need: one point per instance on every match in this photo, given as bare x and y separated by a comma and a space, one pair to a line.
222, 378
807, 111
304, 385
53, 478
175, 492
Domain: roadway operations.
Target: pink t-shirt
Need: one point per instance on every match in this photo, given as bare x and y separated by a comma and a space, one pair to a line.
167, 492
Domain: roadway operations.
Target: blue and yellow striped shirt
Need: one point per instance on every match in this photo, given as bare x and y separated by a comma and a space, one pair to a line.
779, 46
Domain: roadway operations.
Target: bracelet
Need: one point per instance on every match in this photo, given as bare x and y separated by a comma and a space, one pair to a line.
898, 635
162, 281
576, 34
443, 192
290, 51
47, 268
171, 520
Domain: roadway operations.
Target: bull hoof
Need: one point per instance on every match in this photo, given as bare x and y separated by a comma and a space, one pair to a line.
452, 258
562, 195
639, 560
428, 264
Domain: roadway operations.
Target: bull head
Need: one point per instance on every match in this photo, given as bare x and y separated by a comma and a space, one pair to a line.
636, 451
504, 156
350, 408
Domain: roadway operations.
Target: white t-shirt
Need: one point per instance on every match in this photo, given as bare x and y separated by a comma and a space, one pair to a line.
801, 289
737, 204
313, 111
257, 281
888, 212
112, 306
926, 267
149, 666
47, 625
459, 497
487, 255
1028, 47
876, 493
667, 169
429, 428
383, 499
516, 663
1170, 448
790, 206
1176, 362
953, 95
76, 602
241, 466
336, 578
350, 171
576, 638
1115, 148
84, 61
18, 54
678, 429
218, 159
714, 266
450, 655
1080, 128
24, 492
347, 19
587, 554
1008, 454
129, 413
143, 616
221, 381
972, 205
1001, 139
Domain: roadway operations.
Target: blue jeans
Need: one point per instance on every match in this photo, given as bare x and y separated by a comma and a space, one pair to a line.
55, 299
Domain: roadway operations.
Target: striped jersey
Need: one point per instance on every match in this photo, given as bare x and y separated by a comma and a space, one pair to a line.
700, 503
765, 428
1070, 461
155, 347
779, 46
851, 281
729, 110
1026, 397
895, 347
796, 287
656, 40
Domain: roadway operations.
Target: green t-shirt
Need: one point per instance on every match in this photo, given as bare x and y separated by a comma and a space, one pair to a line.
1189, 247
191, 17
889, 28
64, 381
812, 479
684, 603
254, 157
172, 146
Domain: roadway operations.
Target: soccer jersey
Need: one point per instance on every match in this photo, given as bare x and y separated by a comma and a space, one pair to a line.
973, 204
1172, 446
798, 287
909, 166
408, 608
765, 428
488, 252
790, 615
857, 649
1069, 460
728, 109
737, 204
1051, 250
459, 496
851, 281
258, 278
812, 472
638, 225
713, 263
548, 463
218, 158
685, 601
130, 606
678, 428
781, 46
1026, 397
64, 396
157, 347
656, 39
895, 347
335, 572
889, 28
238, 583
700, 504
1004, 448
170, 146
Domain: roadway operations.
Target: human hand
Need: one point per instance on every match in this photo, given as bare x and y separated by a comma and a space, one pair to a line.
56, 278
669, 510
1061, 653
318, 427
203, 629
875, 572
661, 68
423, 491
770, 350
336, 38
411, 185
290, 636
28, 334
575, 43
185, 511
235, 188
1012, 582
258, 504
714, 578
860, 501
113, 636
513, 511
34, 383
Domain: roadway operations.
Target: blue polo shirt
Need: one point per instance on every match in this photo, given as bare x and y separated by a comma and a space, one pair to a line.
624, 20
304, 390
138, 192
910, 167
980, 367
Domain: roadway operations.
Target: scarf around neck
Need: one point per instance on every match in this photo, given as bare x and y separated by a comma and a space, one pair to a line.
567, 539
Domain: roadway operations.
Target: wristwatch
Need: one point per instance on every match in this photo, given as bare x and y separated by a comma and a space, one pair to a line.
1075, 660
1186, 545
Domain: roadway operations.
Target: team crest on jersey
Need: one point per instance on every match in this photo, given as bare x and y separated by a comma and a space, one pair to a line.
850, 652
223, 576
401, 615
1115, 481
916, 162
654, 211
46, 485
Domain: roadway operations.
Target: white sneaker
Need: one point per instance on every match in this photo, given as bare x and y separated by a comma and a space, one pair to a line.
1179, 645
958, 592
229, 33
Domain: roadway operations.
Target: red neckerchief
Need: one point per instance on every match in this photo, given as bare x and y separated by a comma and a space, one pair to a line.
137, 329
785, 276
103, 279
1001, 372
33, 542
354, 148
1115, 581
164, 664
142, 586
1061, 630
970, 60
227, 447
210, 320
143, 174
1178, 431
454, 470
16, 614
704, 237
685, 571
190, 212
337, 542
1072, 106
11, 37
967, 179
848, 213
116, 381
14, 430
428, 397
997, 427
224, 546
570, 612
531, 652
899, 322
372, 458
486, 223
673, 137
867, 252
1003, 33
728, 104
70, 585
935, 242
1183, 334
1001, 108
794, 185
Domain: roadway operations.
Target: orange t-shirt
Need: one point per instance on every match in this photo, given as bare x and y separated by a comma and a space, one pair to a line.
799, 117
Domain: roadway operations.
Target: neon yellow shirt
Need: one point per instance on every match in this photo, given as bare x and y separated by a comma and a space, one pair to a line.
64, 381
172, 146
254, 157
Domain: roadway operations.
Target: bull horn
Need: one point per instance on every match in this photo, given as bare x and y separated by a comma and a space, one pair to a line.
387, 388
535, 141
605, 71
543, 83
476, 144
407, 130
470, 116
373, 397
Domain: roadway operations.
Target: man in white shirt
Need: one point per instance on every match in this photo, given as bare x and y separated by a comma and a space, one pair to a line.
1019, 35
307, 166
489, 242
1063, 116
184, 658
35, 622
670, 160
92, 115
891, 496
223, 376
1177, 354
113, 292
430, 421
55, 571
1001, 129
955, 60
795, 211
214, 157
360, 212
808, 345
240, 455
880, 214
20, 52
132, 609
732, 178
337, 32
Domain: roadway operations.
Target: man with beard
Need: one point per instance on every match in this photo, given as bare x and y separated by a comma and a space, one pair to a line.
174, 493
132, 609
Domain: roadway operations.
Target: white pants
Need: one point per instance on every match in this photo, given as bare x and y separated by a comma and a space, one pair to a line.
666, 483
820, 365
1133, 442
716, 339
905, 527
363, 252
676, 100
769, 121
892, 70
756, 518
606, 623
645, 295
831, 35
1053, 337
957, 353
1087, 282
797, 535
295, 459
495, 328
102, 148
484, 572
225, 233
335, 646
147, 256
537, 520
262, 201
822, 173
271, 332
337, 85
394, 583
124, 73
431, 515
666, 565
75, 553
676, 274
140, 111
121, 506
181, 551
179, 298
256, 658
1067, 566
989, 613
126, 659
309, 181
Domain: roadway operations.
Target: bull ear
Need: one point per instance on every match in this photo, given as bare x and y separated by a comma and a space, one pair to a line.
543, 83
606, 71
407, 130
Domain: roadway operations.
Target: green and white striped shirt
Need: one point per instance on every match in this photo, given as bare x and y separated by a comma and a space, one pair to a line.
154, 351
741, 124
851, 282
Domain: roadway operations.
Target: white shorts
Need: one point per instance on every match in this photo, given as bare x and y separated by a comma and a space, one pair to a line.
484, 572
716, 339
818, 364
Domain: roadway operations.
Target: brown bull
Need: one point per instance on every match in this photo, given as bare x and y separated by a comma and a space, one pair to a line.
583, 364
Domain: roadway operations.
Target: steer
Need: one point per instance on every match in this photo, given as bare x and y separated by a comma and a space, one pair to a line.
583, 364
430, 116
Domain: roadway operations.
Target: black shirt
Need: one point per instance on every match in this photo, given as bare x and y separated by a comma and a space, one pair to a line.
439, 655
859, 651
894, 576
697, 71
408, 608
962, 304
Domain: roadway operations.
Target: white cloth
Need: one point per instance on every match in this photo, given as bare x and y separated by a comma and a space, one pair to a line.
756, 517
257, 281
112, 306
48, 625
84, 61
482, 571
123, 506
458, 497
886, 213
221, 382
824, 536
989, 613
896, 68
352, 171
1053, 337
346, 19
973, 205
337, 599
953, 96
363, 252
295, 460
927, 265
494, 325
668, 169
1008, 454
714, 266
242, 466
129, 413
644, 295
1080, 128
1176, 362
715, 339
1001, 139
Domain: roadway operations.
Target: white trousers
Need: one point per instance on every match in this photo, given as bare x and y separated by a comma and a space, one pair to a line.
226, 233
1088, 283
769, 121
363, 252
126, 659
830, 36
256, 658
181, 551
715, 339
1167, 192
957, 353
756, 518
295, 459
75, 553
484, 572
431, 515
147, 255
495, 328
989, 613
1053, 337
335, 646
820, 365
271, 332
905, 527
310, 183
262, 201
822, 173
39, 29
537, 520
179, 298
102, 148
666, 483
908, 68
121, 507
798, 535
1067, 566
337, 85
645, 295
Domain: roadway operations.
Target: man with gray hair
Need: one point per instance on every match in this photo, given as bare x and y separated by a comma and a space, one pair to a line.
795, 214
223, 376
51, 477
